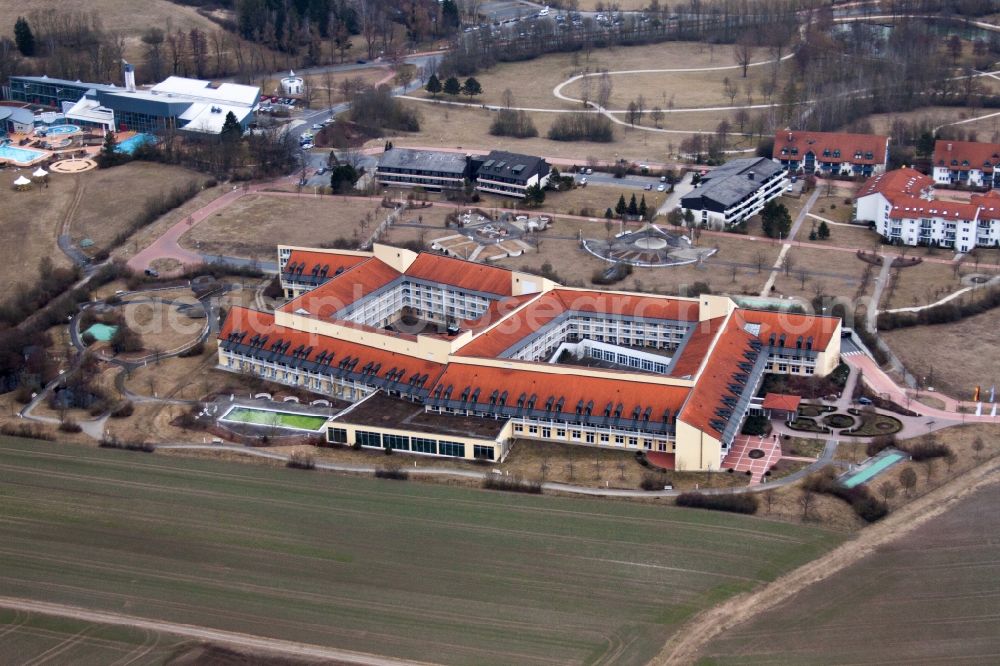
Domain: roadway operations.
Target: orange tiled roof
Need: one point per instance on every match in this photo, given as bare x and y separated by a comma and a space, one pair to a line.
713, 383
344, 289
792, 325
318, 260
468, 275
966, 155
253, 322
496, 311
906, 180
696, 347
787, 403
849, 145
572, 388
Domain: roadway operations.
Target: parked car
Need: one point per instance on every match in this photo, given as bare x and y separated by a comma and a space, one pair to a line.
661, 188
590, 171
648, 186
320, 171
864, 401
583, 181
317, 126
361, 61
151, 272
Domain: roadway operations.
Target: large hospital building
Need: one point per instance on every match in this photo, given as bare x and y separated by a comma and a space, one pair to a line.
440, 356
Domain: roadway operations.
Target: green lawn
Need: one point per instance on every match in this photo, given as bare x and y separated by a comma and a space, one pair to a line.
422, 571
267, 417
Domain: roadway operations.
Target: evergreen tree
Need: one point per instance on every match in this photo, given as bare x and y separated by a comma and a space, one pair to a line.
620, 207
433, 85
471, 87
452, 86
449, 14
775, 220
643, 210
609, 214
231, 128
534, 195
633, 206
823, 230
24, 37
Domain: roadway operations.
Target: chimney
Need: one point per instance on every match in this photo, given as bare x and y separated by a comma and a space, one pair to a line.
790, 136
750, 175
949, 147
129, 77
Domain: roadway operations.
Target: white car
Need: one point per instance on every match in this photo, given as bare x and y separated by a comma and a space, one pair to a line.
661, 188
317, 126
307, 146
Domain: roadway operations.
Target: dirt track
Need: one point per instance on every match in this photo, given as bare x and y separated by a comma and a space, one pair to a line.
243, 642
691, 638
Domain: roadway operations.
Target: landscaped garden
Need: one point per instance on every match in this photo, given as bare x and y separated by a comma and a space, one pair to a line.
874, 424
839, 421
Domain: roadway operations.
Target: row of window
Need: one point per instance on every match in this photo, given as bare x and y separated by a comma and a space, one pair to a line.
441, 447
590, 437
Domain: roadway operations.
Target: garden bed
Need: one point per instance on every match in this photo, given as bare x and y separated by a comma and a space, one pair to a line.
874, 425
815, 410
839, 421
808, 425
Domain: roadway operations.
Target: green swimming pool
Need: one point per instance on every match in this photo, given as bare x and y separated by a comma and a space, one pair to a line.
874, 470
275, 419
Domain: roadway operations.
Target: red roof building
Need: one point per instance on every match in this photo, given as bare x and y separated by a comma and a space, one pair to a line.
966, 163
831, 153
618, 369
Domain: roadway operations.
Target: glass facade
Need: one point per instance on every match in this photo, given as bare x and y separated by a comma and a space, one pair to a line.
336, 435
368, 438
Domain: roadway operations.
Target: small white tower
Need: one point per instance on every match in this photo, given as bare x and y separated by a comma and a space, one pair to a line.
291, 84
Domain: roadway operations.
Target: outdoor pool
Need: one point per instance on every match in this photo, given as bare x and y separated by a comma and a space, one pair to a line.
57, 130
873, 470
267, 417
20, 155
102, 332
129, 145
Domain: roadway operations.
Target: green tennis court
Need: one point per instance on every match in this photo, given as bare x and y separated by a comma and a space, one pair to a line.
268, 417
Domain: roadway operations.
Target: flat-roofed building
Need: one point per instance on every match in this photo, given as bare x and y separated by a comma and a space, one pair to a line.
430, 169
735, 191
511, 174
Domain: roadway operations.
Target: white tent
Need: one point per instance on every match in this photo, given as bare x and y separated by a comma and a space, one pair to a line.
22, 181
40, 173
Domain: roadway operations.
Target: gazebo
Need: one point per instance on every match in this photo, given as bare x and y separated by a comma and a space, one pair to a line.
22, 183
40, 173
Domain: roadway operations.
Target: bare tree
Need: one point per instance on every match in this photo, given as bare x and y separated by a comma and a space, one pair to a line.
604, 90
908, 480
769, 496
888, 490
743, 52
657, 115
507, 98
730, 90
930, 466
758, 260
807, 499
978, 446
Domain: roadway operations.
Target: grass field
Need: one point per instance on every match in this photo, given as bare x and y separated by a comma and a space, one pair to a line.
460, 127
254, 224
967, 359
27, 636
420, 571
931, 596
279, 419
96, 204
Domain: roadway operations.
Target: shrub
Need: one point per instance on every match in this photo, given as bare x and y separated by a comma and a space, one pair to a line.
865, 505
582, 127
512, 484
87, 339
29, 430
69, 426
652, 482
392, 473
122, 410
300, 460
734, 503
114, 443
197, 349
879, 444
377, 108
920, 451
517, 124
756, 424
